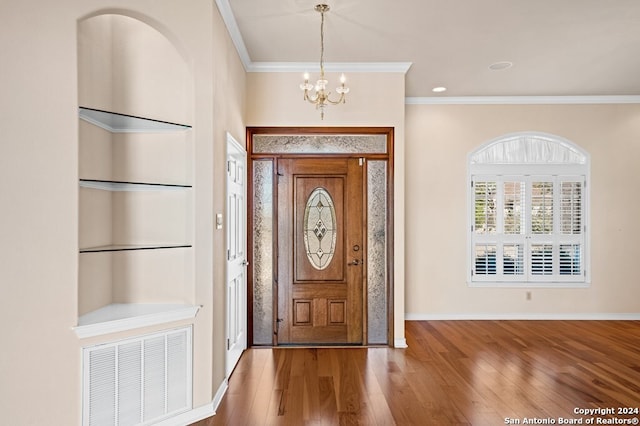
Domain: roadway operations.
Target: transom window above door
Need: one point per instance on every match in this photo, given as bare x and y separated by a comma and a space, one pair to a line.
528, 213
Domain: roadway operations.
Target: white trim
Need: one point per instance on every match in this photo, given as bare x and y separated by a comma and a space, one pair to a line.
128, 316
236, 37
400, 343
191, 416
521, 100
234, 31
530, 284
217, 398
202, 412
236, 145
526, 169
391, 67
521, 316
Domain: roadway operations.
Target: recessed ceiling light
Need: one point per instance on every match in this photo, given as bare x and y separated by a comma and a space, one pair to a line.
439, 89
500, 65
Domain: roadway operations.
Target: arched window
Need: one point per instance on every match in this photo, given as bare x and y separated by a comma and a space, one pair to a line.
528, 221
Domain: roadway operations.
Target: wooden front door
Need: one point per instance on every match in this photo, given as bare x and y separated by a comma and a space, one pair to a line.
321, 251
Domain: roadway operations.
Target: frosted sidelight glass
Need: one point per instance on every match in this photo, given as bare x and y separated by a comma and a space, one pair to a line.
263, 252
377, 240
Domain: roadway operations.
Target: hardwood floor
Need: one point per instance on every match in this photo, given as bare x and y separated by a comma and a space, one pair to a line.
453, 373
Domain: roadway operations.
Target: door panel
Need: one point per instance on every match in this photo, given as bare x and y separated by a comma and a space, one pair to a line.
236, 254
320, 251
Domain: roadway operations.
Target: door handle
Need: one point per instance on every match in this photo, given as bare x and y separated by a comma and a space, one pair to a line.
245, 262
354, 262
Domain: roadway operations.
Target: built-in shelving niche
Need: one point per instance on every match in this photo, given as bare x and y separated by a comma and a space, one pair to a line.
135, 223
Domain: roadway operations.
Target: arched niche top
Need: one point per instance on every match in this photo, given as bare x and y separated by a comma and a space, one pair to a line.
529, 148
130, 64
158, 26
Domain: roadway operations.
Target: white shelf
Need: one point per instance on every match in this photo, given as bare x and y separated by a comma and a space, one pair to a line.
132, 247
109, 185
127, 316
118, 317
122, 123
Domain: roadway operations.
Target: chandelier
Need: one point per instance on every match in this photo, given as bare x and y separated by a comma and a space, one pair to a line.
318, 94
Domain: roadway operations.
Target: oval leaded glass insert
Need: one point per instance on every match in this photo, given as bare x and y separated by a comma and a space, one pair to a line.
320, 228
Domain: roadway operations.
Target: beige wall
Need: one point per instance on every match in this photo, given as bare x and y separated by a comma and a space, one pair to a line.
439, 137
375, 99
228, 86
40, 361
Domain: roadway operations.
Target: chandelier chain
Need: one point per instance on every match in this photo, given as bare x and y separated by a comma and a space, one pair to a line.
322, 44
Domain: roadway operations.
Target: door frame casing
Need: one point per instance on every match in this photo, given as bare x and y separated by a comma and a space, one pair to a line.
388, 132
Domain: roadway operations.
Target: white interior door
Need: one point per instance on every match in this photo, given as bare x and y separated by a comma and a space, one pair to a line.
236, 253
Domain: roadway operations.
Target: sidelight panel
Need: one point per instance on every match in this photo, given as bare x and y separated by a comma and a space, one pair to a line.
377, 247
263, 252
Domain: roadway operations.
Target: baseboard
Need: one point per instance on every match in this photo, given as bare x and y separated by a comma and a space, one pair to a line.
217, 398
190, 416
520, 316
198, 413
400, 343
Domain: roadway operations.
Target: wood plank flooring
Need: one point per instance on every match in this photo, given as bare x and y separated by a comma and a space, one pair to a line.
453, 373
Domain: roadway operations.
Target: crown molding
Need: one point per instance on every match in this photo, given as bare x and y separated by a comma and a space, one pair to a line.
236, 37
521, 100
391, 67
234, 32
400, 67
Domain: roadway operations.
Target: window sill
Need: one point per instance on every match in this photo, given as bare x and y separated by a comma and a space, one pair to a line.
528, 284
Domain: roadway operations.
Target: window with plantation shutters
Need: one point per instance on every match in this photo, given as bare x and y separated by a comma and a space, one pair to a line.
528, 212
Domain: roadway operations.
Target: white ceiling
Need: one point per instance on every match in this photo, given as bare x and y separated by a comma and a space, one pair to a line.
557, 47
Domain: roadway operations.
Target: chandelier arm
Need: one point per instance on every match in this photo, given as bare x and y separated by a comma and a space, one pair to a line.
312, 99
340, 100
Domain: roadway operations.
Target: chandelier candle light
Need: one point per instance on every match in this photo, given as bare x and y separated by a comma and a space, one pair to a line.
321, 97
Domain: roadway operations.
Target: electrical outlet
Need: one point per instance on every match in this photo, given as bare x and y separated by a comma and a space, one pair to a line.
528, 295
